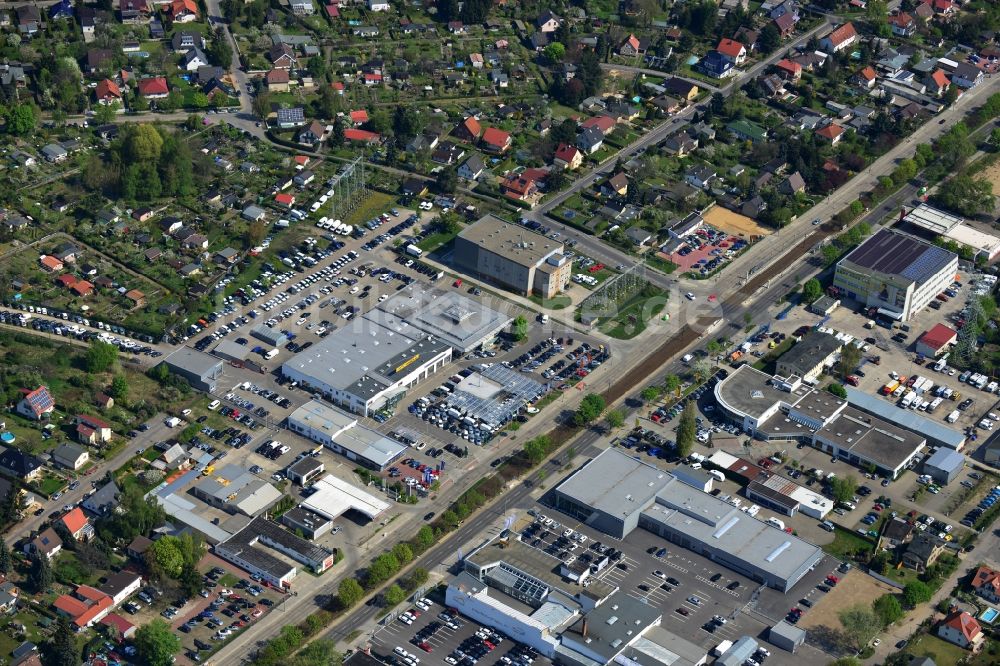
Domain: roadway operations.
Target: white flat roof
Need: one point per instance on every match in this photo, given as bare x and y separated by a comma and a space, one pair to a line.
334, 497
803, 495
963, 234
933, 219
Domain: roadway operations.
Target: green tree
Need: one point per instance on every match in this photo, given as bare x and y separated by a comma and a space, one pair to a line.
770, 38
850, 356
860, 625
165, 556
447, 180
994, 139
349, 592
536, 449
320, 652
590, 409
101, 356
811, 290
687, 430
425, 536
519, 329
105, 113
21, 118
403, 553
262, 105
219, 51
887, 609
382, 568
6, 562
141, 144
119, 387
406, 122
418, 576
966, 195
651, 393
555, 52
844, 487
40, 573
837, 390
615, 418
671, 383
156, 643
394, 595
63, 648
915, 593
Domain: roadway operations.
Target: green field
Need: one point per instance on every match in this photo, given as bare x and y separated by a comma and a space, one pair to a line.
846, 543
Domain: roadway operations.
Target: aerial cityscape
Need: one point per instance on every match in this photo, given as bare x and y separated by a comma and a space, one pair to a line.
489, 333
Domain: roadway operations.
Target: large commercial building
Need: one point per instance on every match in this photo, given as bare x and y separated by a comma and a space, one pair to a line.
616, 493
368, 366
235, 490
896, 273
952, 227
520, 591
784, 409
513, 257
340, 432
200, 369
246, 549
448, 316
810, 356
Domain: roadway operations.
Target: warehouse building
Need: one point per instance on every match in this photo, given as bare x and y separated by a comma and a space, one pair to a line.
271, 337
229, 350
332, 497
771, 490
308, 523
936, 341
368, 366
448, 316
934, 222
304, 470
235, 490
935, 433
945, 465
895, 273
201, 370
786, 636
246, 549
810, 356
513, 257
784, 409
615, 493
340, 432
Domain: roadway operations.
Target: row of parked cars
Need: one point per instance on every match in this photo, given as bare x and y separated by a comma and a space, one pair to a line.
984, 505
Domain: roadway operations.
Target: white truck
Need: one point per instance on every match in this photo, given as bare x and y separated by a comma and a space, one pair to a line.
935, 403
722, 648
951, 418
413, 250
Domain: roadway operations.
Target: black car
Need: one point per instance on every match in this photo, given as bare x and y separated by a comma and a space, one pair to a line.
673, 581
429, 516
715, 577
732, 586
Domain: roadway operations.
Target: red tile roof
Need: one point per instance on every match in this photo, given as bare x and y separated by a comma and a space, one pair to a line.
115, 620
51, 263
352, 134
67, 280
940, 78
901, 20
963, 623
108, 88
82, 287
180, 6
75, 520
603, 123
868, 73
302, 159
633, 41
566, 152
277, 76
156, 85
333, 11
92, 421
730, 47
496, 138
831, 131
938, 337
284, 199
360, 116
842, 34
472, 126
986, 577
789, 66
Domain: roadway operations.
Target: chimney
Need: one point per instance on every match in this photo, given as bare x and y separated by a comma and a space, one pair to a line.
586, 627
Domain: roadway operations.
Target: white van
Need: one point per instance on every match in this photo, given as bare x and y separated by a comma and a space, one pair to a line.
214, 405
271, 354
717, 475
776, 522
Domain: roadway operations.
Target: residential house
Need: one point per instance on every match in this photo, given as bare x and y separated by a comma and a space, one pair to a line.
289, 118
590, 140
85, 607
866, 77
547, 22
839, 39
77, 524
753, 207
924, 11
700, 176
54, 153
185, 40
682, 88
361, 136
633, 46
785, 25
716, 65
36, 405
961, 629
194, 60
135, 297
183, 11
282, 56
937, 82
378, 5
92, 430
746, 130
103, 400
944, 8
832, 133
792, 185
902, 24
103, 500
226, 256
568, 157
522, 187
788, 70
50, 263
46, 543
137, 547
732, 50
9, 593
967, 76
413, 187
154, 87
29, 20
122, 627
447, 153
639, 236
468, 130
680, 144
284, 200
71, 456
312, 134
666, 103
108, 92
495, 141
302, 7
359, 118
303, 178
20, 465
604, 124
986, 583
615, 185
472, 168
923, 551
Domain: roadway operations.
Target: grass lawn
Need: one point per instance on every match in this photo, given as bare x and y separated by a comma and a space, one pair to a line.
33, 633
635, 313
228, 580
50, 485
846, 543
373, 205
436, 240
556, 303
903, 575
661, 265
942, 652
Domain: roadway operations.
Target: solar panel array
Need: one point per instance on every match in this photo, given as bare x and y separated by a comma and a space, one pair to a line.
511, 578
927, 265
518, 390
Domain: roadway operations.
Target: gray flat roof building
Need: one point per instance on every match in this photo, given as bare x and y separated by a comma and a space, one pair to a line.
311, 525
463, 323
231, 351
340, 432
201, 370
935, 433
367, 365
944, 465
269, 336
808, 356
860, 438
234, 489
244, 548
615, 493
786, 636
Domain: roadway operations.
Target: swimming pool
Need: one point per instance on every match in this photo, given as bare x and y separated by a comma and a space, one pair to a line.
989, 615
7, 437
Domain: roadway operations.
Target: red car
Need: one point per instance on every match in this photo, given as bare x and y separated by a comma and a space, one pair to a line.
425, 646
682, 611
